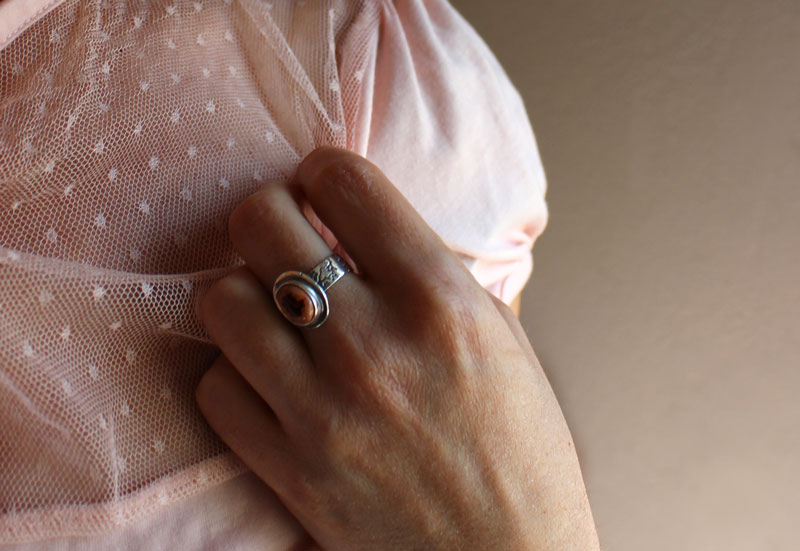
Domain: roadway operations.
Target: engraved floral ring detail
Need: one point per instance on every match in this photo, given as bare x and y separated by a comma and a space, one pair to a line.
301, 297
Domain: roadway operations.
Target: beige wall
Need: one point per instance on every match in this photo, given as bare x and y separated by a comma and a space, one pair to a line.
665, 303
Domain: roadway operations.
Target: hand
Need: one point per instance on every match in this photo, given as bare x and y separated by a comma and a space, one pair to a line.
417, 416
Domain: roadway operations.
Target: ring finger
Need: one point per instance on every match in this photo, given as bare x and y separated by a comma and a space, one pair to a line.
273, 236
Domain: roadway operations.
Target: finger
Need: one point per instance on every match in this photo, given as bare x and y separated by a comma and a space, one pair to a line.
245, 423
238, 314
377, 226
270, 232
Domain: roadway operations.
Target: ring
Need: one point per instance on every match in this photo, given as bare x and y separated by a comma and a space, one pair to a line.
301, 297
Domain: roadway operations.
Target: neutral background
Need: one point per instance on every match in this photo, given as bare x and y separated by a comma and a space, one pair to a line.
665, 301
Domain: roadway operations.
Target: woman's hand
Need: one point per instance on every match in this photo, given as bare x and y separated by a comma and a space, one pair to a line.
417, 416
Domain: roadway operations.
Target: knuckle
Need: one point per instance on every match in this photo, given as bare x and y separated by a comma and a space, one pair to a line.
345, 176
450, 320
225, 293
204, 391
308, 491
333, 441
342, 440
211, 301
446, 300
254, 209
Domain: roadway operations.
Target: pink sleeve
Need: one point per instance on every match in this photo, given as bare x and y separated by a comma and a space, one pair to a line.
446, 125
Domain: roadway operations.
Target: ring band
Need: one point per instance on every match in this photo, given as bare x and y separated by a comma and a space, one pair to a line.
301, 297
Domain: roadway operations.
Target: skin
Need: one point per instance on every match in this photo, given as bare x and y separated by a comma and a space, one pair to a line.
516, 302
417, 416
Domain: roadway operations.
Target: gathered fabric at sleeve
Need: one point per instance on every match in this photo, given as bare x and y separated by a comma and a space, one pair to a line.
445, 124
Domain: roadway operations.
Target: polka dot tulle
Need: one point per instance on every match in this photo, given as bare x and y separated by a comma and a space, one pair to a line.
128, 133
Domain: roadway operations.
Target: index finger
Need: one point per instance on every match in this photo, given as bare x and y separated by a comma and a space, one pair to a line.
373, 221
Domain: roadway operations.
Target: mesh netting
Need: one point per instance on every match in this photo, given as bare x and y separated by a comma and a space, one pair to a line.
130, 130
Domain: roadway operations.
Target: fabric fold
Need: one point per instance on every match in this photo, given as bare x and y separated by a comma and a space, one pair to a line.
129, 131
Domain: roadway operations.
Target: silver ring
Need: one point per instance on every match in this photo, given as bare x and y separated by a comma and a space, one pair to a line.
301, 297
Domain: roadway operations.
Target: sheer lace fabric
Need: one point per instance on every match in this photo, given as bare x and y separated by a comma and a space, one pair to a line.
128, 133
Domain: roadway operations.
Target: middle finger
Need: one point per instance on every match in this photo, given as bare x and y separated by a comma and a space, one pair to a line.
272, 235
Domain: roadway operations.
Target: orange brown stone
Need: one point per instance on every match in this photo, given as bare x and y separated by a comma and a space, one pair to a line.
296, 304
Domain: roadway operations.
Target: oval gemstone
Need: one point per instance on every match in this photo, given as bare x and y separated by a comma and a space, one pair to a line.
296, 304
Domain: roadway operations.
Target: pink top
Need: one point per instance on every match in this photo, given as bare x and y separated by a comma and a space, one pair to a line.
128, 132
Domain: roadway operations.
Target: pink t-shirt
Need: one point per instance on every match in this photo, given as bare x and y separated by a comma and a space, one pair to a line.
128, 132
